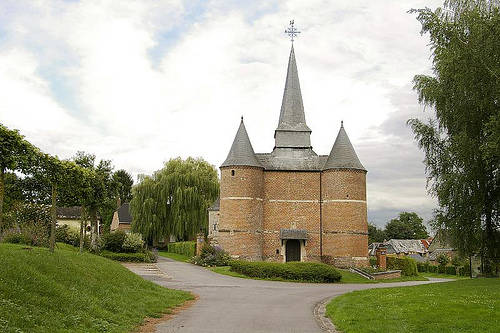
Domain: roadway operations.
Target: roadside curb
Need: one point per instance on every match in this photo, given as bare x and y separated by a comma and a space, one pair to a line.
323, 321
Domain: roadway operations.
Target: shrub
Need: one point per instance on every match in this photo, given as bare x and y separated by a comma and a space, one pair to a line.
451, 270
212, 256
133, 243
443, 259
373, 261
464, 270
146, 256
113, 241
408, 266
15, 237
298, 271
71, 236
184, 248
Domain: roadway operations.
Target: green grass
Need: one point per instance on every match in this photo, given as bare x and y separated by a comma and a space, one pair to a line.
174, 256
66, 291
458, 306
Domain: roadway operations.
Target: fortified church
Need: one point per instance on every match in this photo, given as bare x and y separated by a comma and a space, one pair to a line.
292, 204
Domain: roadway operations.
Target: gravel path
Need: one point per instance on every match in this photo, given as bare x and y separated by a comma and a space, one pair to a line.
229, 304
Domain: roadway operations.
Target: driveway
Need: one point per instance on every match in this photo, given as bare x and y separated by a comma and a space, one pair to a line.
229, 304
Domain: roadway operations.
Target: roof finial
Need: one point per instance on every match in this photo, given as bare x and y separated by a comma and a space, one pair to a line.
241, 118
291, 31
341, 123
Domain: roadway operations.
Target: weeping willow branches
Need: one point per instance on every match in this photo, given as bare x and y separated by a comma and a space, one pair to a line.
174, 200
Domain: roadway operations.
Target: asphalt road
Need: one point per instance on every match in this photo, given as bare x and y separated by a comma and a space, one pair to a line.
229, 304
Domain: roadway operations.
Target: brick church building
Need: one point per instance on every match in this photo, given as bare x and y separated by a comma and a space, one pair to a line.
292, 204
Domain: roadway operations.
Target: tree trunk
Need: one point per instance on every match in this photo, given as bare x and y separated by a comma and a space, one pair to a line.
53, 214
93, 224
82, 236
2, 176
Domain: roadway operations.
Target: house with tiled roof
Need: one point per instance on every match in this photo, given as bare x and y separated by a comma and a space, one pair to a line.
122, 219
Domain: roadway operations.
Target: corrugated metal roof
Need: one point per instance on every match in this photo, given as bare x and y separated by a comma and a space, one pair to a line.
241, 152
342, 155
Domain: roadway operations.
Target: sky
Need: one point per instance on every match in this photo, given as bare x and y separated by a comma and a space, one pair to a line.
140, 82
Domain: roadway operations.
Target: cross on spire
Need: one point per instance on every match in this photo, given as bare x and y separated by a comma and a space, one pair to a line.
291, 31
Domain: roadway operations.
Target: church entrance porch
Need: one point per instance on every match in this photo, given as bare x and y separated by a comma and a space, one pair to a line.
293, 242
292, 252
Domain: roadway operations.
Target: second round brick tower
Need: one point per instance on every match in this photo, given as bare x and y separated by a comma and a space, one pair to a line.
343, 201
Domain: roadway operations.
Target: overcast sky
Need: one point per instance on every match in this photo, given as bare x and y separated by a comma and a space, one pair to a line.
140, 82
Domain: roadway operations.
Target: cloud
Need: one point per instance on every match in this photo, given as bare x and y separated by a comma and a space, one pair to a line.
140, 82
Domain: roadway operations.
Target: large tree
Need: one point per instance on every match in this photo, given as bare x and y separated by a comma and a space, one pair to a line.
375, 234
406, 226
174, 200
15, 154
461, 141
124, 184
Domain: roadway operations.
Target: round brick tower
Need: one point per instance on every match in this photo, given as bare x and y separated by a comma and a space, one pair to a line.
344, 210
241, 207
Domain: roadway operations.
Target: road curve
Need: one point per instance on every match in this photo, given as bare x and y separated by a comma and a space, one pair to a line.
229, 304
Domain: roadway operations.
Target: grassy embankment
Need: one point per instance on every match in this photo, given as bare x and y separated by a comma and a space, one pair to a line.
458, 306
66, 291
174, 256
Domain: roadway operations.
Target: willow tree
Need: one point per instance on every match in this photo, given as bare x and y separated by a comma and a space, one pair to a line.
461, 143
174, 200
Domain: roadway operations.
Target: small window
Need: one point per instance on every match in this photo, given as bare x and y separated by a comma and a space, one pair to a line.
277, 251
232, 172
215, 226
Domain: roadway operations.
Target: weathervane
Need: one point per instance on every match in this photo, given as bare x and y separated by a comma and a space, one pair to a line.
292, 31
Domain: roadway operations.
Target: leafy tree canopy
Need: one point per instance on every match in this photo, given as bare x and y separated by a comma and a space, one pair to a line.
375, 235
406, 226
124, 184
461, 141
174, 200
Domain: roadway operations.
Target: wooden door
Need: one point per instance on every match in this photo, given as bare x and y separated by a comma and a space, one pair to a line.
292, 250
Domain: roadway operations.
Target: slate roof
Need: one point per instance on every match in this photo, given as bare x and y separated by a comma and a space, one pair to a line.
293, 234
405, 246
73, 213
124, 214
241, 152
312, 163
292, 115
215, 206
342, 155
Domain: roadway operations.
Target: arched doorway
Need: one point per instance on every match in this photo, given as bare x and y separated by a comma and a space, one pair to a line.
292, 250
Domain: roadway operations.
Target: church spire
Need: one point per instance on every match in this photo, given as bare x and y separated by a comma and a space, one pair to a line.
241, 152
292, 131
343, 155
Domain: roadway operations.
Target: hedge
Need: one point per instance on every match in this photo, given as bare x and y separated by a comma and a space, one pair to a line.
408, 266
296, 271
129, 257
184, 248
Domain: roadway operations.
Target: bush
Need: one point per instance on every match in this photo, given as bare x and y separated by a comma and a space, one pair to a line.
113, 241
464, 270
71, 236
408, 266
15, 237
451, 270
212, 256
184, 248
146, 256
133, 243
297, 271
443, 259
373, 261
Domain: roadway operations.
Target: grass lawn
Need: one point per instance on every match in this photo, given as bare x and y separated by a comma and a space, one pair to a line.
66, 291
458, 306
443, 276
174, 256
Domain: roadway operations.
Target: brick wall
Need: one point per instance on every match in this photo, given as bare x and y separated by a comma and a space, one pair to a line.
291, 201
345, 225
241, 212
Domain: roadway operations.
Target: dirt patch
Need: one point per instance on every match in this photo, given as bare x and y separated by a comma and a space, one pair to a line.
149, 324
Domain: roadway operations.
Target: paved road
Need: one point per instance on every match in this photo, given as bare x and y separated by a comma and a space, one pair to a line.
228, 304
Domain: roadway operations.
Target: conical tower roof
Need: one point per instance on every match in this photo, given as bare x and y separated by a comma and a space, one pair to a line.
292, 108
343, 155
241, 152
